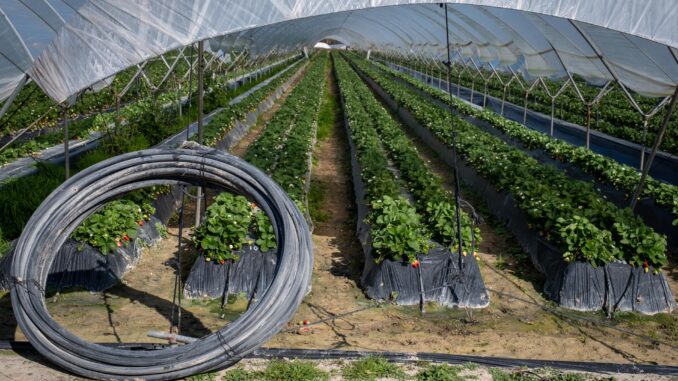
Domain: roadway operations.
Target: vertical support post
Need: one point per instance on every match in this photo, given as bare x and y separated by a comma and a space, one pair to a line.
201, 79
655, 147
457, 187
527, 94
642, 150
503, 100
553, 113
473, 88
588, 126
67, 151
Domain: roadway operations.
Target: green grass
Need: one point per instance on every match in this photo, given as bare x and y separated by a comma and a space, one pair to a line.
539, 375
203, 377
372, 368
316, 196
292, 371
330, 110
440, 372
238, 375
279, 370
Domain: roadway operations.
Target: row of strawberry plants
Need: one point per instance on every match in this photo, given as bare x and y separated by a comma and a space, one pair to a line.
231, 221
31, 102
571, 214
397, 230
108, 228
136, 107
292, 149
431, 199
603, 168
614, 115
225, 120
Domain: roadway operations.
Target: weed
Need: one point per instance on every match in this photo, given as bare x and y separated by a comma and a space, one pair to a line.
316, 196
292, 371
238, 375
439, 372
203, 377
372, 368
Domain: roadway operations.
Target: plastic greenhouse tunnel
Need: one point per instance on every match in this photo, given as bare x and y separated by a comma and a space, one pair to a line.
354, 190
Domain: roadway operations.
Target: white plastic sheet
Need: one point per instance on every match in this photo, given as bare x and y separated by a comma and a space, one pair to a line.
633, 41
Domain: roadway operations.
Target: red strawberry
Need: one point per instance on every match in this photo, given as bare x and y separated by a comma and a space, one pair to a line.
125, 237
118, 243
416, 263
222, 261
141, 222
306, 322
645, 264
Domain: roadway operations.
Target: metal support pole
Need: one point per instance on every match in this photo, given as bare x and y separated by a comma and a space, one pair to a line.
643, 148
457, 187
503, 100
473, 88
67, 152
201, 67
655, 147
588, 126
553, 113
485, 96
527, 93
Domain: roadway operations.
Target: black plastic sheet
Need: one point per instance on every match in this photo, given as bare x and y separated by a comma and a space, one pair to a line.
250, 275
578, 286
79, 265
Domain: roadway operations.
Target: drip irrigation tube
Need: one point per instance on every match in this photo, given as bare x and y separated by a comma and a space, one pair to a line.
89, 190
412, 357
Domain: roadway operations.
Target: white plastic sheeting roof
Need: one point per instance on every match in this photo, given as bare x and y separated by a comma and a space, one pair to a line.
26, 28
633, 41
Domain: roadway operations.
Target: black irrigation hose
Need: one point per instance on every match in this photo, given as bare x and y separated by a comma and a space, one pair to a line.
88, 191
502, 362
410, 357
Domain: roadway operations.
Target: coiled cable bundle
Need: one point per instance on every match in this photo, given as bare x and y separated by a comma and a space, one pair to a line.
89, 190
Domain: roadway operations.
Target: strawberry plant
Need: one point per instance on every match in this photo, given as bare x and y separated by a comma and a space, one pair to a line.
263, 230
397, 231
111, 227
226, 227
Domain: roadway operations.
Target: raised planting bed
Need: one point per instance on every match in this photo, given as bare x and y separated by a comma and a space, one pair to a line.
79, 265
585, 286
235, 242
403, 263
659, 203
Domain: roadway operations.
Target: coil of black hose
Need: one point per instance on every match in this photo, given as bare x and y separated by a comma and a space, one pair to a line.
89, 190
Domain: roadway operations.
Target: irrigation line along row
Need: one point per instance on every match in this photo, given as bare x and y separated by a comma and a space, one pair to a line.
411, 357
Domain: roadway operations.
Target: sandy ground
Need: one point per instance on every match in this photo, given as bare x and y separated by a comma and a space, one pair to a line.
519, 322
